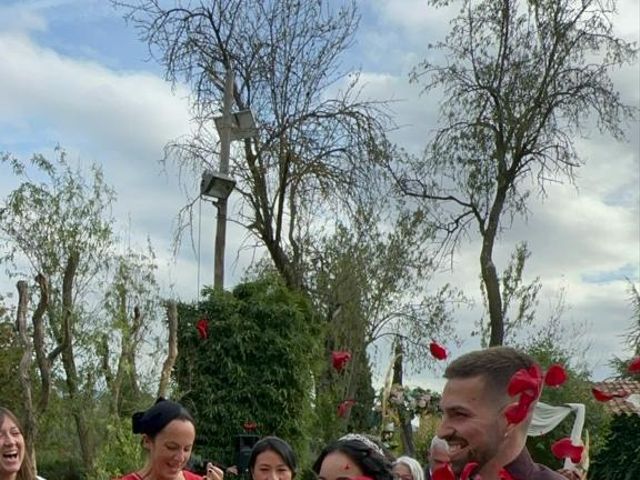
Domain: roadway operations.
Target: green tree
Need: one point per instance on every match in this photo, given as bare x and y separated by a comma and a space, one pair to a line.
256, 364
632, 336
60, 228
370, 279
618, 459
520, 81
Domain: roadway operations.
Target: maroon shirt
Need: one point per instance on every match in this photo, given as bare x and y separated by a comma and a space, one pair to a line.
524, 468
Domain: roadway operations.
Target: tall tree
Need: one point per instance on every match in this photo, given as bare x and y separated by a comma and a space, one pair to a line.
131, 305
60, 229
316, 136
520, 81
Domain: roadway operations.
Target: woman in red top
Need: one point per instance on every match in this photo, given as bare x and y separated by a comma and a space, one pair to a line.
168, 432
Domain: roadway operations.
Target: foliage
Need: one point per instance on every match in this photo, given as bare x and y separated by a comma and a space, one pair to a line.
515, 293
131, 309
58, 228
413, 401
375, 270
119, 455
548, 348
632, 336
255, 365
520, 81
618, 459
10, 355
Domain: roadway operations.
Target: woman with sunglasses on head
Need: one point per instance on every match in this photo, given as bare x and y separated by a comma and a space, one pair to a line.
168, 433
353, 456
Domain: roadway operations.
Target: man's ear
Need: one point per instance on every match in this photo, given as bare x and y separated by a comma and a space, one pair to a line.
146, 441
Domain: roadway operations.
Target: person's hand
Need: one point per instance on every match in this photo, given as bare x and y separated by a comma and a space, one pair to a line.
213, 472
232, 470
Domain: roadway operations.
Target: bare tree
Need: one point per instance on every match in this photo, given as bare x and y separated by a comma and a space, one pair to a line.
520, 81
316, 137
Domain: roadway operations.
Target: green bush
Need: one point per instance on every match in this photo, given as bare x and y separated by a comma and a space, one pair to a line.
120, 454
256, 365
619, 458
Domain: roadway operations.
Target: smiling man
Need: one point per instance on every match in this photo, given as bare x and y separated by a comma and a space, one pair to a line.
473, 403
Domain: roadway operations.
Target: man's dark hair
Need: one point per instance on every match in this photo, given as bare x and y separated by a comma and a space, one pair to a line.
495, 364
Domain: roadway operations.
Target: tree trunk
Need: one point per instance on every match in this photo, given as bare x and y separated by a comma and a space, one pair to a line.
30, 422
69, 364
488, 270
172, 353
406, 430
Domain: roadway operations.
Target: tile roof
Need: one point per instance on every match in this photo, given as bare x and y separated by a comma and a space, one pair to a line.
620, 405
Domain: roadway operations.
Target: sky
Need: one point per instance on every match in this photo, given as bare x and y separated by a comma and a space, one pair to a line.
73, 73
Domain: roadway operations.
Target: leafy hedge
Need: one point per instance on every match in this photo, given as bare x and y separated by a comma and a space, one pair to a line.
256, 365
619, 459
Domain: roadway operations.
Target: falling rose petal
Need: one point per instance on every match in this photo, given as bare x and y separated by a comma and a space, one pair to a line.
438, 351
563, 448
516, 413
468, 470
524, 380
340, 359
634, 366
443, 473
202, 326
344, 407
556, 376
601, 396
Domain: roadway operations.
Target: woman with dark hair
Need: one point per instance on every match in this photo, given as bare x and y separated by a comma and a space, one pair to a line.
168, 432
272, 459
15, 463
353, 456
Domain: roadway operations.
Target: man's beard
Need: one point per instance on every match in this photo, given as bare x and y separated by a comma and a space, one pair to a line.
489, 451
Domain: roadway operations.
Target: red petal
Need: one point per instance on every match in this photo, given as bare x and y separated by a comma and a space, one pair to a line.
344, 407
202, 326
443, 473
556, 376
601, 396
438, 351
634, 365
339, 359
467, 470
563, 448
516, 413
521, 381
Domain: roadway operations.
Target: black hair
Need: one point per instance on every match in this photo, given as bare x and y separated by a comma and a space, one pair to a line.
152, 421
372, 463
277, 445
